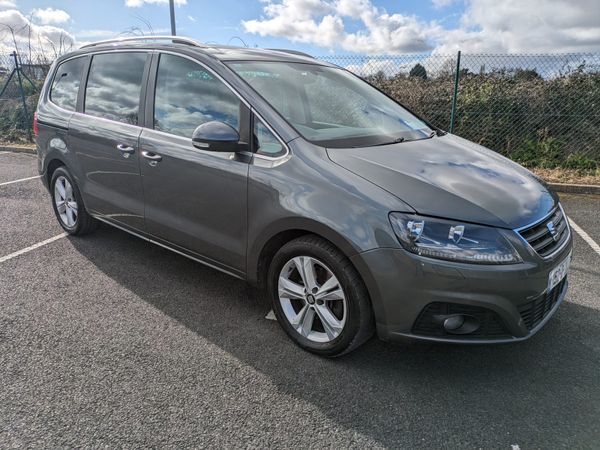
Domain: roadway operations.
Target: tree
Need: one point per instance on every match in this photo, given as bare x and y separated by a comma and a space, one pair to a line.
418, 71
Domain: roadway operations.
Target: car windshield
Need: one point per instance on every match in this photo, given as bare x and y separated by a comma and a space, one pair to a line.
331, 107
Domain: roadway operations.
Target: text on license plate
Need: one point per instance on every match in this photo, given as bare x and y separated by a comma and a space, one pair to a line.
559, 272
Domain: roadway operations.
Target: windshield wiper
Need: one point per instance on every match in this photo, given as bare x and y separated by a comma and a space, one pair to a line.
395, 141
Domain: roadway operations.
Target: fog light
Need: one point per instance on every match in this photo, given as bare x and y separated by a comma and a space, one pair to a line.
461, 324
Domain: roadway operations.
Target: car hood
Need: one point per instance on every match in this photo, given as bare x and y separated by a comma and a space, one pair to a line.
451, 177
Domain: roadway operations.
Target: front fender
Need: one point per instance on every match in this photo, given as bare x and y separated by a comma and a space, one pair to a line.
309, 192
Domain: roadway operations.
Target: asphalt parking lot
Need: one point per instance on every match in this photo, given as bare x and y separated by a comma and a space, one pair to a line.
109, 341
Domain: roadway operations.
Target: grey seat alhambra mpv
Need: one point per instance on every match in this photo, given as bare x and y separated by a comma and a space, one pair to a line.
351, 213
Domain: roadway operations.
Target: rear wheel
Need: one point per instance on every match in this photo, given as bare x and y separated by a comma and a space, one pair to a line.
319, 298
68, 204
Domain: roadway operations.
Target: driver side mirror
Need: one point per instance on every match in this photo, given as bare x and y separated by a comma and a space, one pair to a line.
217, 136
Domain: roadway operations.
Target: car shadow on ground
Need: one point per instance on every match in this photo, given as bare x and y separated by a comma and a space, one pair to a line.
542, 393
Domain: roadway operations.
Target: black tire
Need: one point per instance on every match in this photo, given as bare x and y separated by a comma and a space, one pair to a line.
84, 223
359, 323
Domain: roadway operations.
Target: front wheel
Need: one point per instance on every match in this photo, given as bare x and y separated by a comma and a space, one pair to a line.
68, 204
319, 298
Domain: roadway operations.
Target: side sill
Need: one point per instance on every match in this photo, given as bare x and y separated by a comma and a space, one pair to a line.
160, 244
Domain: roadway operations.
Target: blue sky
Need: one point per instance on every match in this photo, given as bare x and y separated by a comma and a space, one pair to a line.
209, 21
323, 27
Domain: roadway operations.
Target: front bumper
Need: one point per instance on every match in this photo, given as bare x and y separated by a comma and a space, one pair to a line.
511, 300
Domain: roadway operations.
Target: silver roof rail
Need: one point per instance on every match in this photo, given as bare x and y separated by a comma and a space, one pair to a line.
291, 52
173, 39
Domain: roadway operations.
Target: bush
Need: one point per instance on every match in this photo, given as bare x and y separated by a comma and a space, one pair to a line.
546, 153
582, 163
539, 122
15, 125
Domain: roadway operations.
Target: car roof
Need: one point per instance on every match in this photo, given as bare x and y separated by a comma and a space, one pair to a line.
218, 52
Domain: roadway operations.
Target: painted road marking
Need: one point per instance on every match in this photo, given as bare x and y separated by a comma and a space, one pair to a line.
271, 316
32, 247
18, 181
586, 237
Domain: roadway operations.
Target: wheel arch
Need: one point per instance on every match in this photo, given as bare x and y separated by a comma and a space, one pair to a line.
51, 167
271, 240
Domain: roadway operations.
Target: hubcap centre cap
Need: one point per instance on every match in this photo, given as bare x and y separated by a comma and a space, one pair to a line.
310, 299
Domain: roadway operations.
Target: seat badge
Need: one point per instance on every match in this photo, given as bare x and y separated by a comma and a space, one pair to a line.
552, 230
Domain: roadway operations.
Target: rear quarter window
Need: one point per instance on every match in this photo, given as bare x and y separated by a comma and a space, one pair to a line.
65, 85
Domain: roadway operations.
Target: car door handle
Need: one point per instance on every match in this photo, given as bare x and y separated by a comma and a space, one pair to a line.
151, 156
125, 148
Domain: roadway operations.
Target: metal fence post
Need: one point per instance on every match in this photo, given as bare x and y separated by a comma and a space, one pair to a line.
22, 91
455, 94
172, 12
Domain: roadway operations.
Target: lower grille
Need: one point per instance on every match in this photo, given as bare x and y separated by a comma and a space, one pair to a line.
536, 310
491, 326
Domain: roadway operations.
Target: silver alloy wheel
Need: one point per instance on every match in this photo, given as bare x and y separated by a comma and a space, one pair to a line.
312, 299
65, 201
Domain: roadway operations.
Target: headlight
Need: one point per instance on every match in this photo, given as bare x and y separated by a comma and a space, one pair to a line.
453, 241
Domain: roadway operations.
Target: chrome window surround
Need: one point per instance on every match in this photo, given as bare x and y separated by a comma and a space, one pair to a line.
269, 160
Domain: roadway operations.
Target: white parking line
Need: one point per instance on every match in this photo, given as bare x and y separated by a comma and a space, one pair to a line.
586, 237
18, 181
32, 247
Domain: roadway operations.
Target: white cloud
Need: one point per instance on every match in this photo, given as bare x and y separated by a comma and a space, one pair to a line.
321, 22
486, 26
50, 15
514, 26
138, 3
191, 18
438, 4
7, 4
46, 39
372, 66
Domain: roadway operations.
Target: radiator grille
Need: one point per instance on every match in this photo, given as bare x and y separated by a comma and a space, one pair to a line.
548, 235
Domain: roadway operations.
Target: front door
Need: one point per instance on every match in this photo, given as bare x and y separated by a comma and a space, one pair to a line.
195, 200
105, 137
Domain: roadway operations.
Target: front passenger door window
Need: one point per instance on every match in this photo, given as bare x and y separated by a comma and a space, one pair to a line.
187, 95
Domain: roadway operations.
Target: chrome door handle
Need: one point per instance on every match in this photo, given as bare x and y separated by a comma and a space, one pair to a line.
151, 156
125, 148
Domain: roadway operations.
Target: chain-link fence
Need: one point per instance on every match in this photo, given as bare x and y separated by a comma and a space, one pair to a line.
542, 110
20, 82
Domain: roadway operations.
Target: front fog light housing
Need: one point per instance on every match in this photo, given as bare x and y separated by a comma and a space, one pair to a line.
453, 241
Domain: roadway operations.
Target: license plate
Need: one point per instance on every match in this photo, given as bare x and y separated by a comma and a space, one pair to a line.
558, 273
